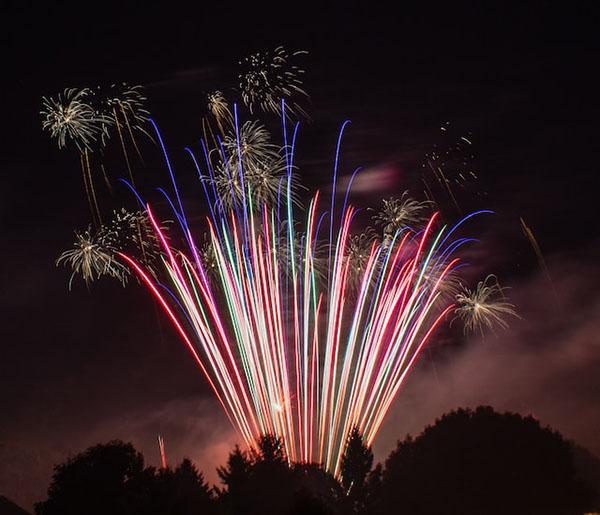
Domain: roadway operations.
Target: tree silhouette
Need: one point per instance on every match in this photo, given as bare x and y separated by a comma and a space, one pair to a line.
374, 491
270, 451
108, 478
357, 461
315, 490
111, 478
235, 476
264, 482
258, 482
474, 462
271, 481
181, 492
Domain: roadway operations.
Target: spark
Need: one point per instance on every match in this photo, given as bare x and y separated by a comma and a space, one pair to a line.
124, 105
163, 454
252, 146
130, 99
452, 164
132, 232
358, 253
70, 119
483, 307
398, 214
540, 256
267, 77
218, 107
251, 163
208, 257
91, 259
94, 252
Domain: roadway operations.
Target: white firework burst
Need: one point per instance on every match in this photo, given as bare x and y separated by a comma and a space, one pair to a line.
91, 259
219, 108
483, 307
71, 119
267, 77
253, 165
401, 213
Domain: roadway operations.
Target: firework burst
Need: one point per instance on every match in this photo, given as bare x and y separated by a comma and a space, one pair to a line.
358, 252
208, 257
124, 105
252, 146
268, 77
261, 185
71, 119
219, 108
94, 253
129, 99
399, 214
132, 232
251, 165
485, 307
91, 259
451, 167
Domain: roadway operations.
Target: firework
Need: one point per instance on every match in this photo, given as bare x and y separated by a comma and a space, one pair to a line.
538, 252
251, 165
124, 106
252, 146
358, 252
91, 259
288, 256
208, 257
450, 286
284, 352
163, 454
290, 365
218, 107
70, 119
268, 77
484, 307
85, 118
131, 232
94, 253
129, 99
263, 183
399, 214
452, 165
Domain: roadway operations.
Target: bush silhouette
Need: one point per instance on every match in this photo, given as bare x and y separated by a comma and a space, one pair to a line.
483, 462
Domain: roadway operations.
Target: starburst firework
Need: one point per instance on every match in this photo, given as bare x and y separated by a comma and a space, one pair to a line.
398, 214
358, 251
71, 119
94, 253
483, 307
219, 108
251, 165
91, 259
268, 77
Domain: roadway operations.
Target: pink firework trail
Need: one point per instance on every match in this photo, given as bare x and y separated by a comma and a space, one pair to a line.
163, 454
292, 350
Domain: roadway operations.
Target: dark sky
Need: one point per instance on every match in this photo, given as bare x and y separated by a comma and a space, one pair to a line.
83, 366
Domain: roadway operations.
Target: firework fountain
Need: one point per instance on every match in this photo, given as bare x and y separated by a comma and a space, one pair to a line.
289, 349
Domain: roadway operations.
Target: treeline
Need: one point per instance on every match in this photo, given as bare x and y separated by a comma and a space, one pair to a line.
468, 463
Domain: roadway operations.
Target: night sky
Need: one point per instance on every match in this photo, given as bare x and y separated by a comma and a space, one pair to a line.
91, 365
